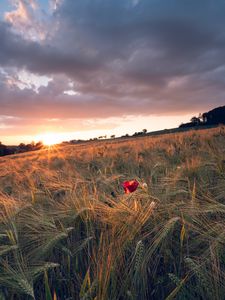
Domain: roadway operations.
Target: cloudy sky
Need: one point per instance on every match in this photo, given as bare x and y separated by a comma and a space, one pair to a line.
83, 68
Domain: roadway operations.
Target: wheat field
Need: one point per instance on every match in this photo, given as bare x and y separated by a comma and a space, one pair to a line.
68, 230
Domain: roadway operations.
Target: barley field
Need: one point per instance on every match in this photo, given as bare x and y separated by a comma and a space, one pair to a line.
68, 230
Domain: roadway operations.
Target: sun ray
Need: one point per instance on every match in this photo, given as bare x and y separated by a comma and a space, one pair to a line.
48, 139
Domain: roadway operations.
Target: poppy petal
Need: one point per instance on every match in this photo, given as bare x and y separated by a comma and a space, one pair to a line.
130, 186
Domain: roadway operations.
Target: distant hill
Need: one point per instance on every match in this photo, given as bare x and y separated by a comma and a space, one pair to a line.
215, 116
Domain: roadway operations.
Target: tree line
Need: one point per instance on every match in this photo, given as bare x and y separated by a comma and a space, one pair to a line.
7, 150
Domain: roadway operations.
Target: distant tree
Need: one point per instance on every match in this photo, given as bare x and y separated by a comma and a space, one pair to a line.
38, 145
200, 116
4, 150
144, 131
126, 135
113, 136
195, 120
22, 145
138, 133
205, 118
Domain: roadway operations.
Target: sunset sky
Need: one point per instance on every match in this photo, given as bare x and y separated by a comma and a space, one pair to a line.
84, 68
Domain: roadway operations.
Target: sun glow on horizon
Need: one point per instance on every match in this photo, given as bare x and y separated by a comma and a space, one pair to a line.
49, 138
93, 129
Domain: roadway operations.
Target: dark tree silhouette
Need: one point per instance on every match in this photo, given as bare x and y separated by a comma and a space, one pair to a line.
214, 116
195, 120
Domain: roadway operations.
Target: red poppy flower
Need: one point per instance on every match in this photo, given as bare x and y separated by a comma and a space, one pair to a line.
130, 186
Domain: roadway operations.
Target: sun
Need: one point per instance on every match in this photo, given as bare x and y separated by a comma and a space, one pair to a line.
49, 139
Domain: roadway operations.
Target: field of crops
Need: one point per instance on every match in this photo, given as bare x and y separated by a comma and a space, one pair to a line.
69, 231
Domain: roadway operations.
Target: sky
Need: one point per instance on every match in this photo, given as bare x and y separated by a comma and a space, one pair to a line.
84, 68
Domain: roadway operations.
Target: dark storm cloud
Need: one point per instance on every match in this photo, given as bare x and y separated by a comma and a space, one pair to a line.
124, 57
43, 59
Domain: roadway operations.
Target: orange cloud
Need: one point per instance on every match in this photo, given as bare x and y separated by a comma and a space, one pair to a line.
20, 15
